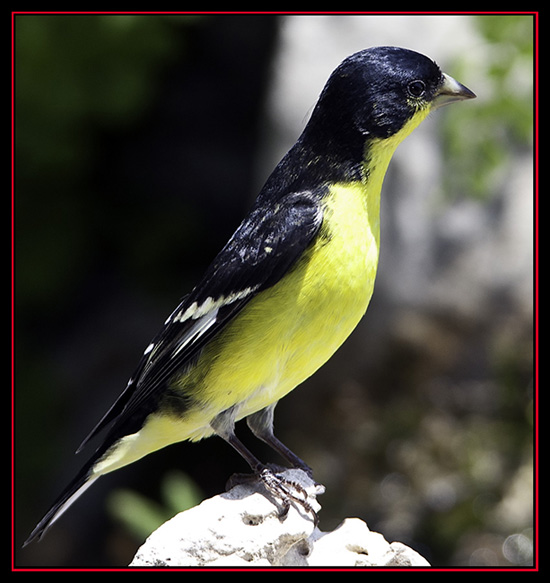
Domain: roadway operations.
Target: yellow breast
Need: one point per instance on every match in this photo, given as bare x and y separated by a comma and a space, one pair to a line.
288, 331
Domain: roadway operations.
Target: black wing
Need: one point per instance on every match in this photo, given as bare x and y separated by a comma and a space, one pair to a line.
264, 247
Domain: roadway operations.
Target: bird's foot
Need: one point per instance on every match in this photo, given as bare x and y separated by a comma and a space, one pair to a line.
282, 489
287, 491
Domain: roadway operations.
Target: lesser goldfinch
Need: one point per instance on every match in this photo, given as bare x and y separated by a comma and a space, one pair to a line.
290, 285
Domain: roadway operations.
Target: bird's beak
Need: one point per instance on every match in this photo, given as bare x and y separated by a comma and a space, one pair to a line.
451, 90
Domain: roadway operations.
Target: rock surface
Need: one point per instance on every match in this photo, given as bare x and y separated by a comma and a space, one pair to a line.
243, 527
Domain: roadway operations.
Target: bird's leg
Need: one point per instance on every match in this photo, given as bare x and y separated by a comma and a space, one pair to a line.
261, 425
285, 490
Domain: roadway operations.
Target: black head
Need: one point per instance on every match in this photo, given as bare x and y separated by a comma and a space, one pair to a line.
376, 91
370, 96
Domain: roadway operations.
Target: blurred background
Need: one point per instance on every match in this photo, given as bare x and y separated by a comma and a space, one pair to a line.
140, 143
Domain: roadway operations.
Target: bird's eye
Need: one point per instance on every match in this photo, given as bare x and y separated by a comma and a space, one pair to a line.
416, 88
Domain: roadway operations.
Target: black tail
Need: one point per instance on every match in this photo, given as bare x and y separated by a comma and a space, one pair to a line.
83, 480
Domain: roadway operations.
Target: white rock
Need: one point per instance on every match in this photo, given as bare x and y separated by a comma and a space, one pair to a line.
243, 527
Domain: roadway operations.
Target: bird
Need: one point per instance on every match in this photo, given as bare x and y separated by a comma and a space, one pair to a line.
286, 290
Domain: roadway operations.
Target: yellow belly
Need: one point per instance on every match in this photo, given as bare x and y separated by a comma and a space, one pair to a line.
287, 332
